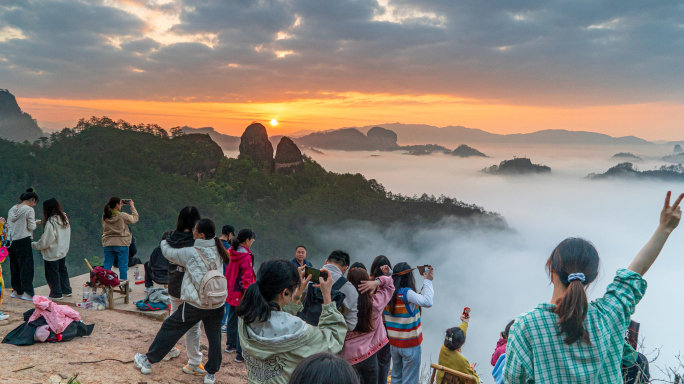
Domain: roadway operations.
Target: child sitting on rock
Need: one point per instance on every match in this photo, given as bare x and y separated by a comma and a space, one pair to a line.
450, 355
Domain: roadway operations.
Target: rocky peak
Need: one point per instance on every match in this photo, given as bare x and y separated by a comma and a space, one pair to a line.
382, 138
255, 144
678, 148
288, 158
15, 124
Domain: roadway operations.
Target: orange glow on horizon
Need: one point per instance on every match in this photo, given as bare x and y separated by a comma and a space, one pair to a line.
651, 121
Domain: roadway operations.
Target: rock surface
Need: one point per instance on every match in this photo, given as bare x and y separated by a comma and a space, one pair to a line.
15, 124
288, 158
124, 336
255, 144
678, 148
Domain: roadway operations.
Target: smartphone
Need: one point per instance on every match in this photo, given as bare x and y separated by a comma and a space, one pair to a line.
421, 268
315, 274
126, 201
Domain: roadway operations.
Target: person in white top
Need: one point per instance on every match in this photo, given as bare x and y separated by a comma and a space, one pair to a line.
203, 259
54, 245
22, 221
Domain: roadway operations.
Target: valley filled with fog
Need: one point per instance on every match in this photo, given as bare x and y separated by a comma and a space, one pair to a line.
500, 274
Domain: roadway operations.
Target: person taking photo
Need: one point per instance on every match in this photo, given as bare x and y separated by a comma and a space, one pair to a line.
116, 236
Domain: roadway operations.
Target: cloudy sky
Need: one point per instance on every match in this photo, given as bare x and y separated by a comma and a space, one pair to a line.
504, 66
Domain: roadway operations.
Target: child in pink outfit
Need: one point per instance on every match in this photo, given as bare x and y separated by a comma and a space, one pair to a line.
501, 344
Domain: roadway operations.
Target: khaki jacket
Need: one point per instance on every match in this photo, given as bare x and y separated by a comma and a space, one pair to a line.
115, 229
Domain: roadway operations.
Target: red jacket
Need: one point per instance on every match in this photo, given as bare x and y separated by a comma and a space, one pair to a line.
239, 273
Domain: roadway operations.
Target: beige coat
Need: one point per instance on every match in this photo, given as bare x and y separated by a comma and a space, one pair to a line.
115, 229
54, 243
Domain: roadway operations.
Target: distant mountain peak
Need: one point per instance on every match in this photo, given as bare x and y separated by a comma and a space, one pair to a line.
15, 124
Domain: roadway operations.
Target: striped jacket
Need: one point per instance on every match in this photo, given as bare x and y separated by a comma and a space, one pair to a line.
403, 328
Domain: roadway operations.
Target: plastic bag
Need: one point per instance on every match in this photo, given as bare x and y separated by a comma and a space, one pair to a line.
97, 302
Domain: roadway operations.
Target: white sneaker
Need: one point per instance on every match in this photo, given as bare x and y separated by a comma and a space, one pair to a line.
15, 295
142, 363
4, 317
209, 379
175, 352
26, 297
197, 370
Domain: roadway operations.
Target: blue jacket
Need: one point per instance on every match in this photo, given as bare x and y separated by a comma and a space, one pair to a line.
306, 262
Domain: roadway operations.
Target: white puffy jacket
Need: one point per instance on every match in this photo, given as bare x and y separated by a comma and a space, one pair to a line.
194, 267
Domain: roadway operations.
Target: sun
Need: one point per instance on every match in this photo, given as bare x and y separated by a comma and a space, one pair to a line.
274, 122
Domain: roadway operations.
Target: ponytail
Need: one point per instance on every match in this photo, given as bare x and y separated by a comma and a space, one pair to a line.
273, 277
113, 202
222, 251
244, 235
575, 261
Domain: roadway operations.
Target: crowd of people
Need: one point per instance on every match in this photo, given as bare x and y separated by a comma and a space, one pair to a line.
344, 323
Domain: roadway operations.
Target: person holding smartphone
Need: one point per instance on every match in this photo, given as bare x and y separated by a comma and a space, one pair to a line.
116, 236
22, 221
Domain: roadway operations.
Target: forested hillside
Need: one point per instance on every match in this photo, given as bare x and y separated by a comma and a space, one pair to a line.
83, 167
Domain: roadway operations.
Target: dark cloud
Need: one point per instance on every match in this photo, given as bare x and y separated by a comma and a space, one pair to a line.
523, 52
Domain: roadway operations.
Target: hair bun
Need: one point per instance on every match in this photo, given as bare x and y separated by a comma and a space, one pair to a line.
30, 189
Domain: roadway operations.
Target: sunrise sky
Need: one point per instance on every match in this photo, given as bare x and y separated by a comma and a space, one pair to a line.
614, 67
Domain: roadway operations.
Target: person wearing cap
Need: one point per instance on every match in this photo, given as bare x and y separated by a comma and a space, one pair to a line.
300, 257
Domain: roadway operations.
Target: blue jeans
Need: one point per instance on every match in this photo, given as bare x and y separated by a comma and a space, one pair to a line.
405, 365
121, 253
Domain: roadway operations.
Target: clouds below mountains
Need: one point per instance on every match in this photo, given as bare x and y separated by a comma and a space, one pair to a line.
525, 52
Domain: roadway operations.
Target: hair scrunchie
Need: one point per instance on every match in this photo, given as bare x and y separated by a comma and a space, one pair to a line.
576, 276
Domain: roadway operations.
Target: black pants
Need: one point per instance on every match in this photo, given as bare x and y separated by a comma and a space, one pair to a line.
148, 275
384, 362
57, 277
176, 325
368, 370
21, 266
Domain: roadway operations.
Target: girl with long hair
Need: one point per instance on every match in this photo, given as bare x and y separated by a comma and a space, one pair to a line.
402, 317
116, 236
570, 340
22, 221
384, 354
206, 255
240, 275
54, 245
273, 339
363, 343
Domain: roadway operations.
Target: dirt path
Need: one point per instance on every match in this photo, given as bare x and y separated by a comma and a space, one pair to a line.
116, 335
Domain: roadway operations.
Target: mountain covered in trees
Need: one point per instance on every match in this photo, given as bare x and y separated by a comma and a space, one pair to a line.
629, 171
15, 124
164, 171
517, 166
466, 151
627, 157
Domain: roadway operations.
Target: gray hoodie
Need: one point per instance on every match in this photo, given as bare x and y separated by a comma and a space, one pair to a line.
22, 221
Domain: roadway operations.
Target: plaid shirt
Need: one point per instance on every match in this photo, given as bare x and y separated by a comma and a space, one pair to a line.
537, 354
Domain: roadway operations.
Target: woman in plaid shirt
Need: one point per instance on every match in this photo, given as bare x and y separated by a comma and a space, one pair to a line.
571, 340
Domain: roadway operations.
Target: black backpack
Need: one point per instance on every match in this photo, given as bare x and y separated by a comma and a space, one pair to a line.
313, 305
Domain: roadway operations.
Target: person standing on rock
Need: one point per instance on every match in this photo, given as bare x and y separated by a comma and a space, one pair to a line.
116, 236
183, 237
22, 221
54, 245
203, 293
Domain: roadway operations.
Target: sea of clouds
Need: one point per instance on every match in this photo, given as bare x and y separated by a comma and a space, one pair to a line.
500, 274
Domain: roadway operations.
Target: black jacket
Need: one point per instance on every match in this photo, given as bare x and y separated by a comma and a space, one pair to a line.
158, 266
176, 272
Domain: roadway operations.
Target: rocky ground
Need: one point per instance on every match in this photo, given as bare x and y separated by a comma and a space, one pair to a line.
116, 335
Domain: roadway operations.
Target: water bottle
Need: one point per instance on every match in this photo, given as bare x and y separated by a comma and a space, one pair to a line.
137, 273
86, 293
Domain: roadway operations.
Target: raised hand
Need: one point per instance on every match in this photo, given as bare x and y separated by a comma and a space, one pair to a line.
669, 219
326, 289
671, 214
429, 273
464, 319
303, 282
368, 286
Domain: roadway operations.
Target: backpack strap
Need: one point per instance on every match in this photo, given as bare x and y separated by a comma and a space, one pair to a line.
339, 284
206, 264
